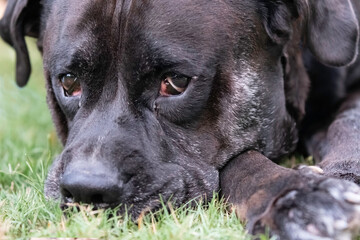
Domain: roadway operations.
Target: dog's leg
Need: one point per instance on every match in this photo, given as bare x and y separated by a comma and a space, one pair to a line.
338, 147
295, 204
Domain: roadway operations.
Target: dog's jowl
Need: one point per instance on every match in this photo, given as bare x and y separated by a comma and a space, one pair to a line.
183, 98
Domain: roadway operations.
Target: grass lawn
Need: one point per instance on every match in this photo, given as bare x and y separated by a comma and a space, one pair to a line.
28, 144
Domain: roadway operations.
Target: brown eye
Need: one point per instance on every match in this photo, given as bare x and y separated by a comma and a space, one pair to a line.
71, 85
174, 85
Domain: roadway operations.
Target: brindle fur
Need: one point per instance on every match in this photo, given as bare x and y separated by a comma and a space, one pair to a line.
253, 63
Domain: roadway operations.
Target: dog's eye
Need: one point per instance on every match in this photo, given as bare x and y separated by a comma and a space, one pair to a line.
173, 84
71, 85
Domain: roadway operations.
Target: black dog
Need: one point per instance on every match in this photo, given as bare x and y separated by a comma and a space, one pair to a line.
183, 98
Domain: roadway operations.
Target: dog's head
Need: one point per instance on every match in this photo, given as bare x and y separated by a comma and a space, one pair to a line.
153, 97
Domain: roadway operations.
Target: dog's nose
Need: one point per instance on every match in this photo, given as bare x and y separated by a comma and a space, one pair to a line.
83, 187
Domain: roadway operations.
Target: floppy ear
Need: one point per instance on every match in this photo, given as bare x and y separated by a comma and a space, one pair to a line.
22, 17
330, 27
332, 31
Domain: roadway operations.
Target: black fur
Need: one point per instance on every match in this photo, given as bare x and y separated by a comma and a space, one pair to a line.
126, 143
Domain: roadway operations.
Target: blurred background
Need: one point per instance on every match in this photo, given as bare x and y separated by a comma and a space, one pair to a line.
2, 7
26, 131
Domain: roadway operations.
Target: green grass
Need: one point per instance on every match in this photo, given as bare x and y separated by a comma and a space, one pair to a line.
27, 146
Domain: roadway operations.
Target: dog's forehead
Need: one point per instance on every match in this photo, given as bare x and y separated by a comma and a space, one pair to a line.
181, 19
191, 29
189, 9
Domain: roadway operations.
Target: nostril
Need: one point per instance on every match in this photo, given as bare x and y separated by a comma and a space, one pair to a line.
97, 198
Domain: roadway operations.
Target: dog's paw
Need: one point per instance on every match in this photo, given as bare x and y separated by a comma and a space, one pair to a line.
324, 208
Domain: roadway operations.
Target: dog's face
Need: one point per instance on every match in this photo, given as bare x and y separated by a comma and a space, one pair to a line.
153, 97
162, 96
